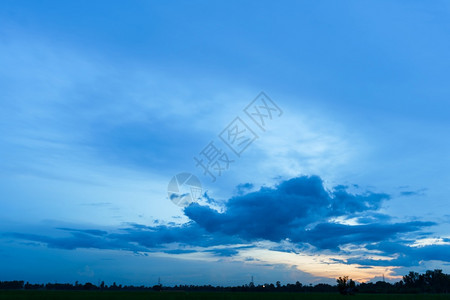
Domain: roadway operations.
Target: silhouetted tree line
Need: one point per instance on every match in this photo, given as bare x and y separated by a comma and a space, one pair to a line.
430, 282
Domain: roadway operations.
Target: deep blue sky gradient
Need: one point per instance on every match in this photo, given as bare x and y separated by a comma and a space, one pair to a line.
103, 102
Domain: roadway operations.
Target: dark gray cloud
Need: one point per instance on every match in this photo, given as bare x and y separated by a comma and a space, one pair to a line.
243, 188
134, 237
77, 240
299, 210
224, 252
408, 193
332, 235
87, 231
404, 255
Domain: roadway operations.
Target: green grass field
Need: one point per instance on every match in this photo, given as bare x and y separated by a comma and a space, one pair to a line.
98, 295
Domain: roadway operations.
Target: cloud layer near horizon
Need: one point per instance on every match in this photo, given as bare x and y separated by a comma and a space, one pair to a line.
298, 212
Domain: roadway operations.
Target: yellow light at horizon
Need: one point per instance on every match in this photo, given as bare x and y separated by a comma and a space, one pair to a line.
322, 265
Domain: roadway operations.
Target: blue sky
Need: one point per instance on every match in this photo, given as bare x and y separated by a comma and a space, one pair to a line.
103, 102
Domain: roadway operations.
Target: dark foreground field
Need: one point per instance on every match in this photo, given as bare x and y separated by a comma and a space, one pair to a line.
99, 295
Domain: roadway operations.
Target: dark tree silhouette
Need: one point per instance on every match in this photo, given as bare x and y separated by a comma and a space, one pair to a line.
346, 286
429, 282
